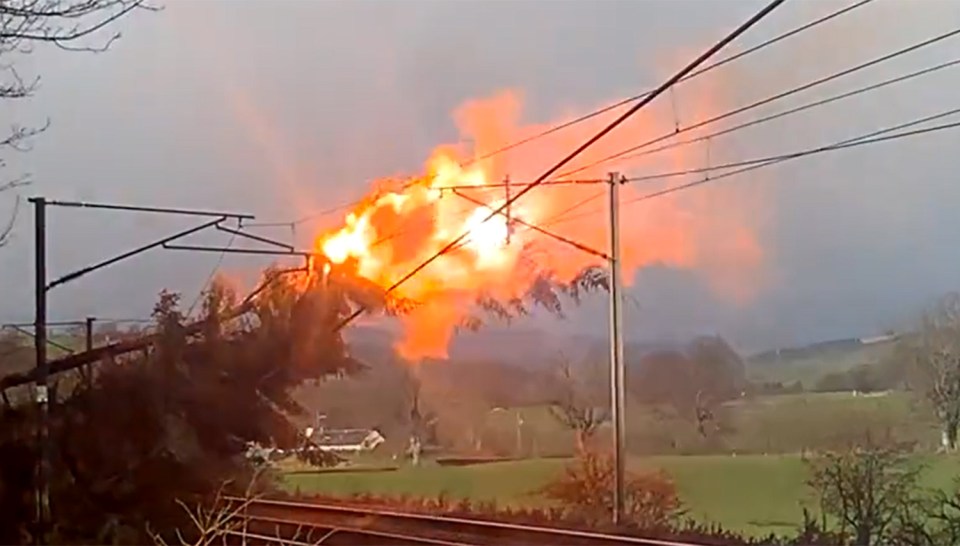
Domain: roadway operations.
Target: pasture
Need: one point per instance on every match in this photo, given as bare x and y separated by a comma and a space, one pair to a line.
755, 494
791, 423
759, 463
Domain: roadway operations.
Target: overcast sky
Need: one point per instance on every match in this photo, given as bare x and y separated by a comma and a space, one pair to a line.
284, 107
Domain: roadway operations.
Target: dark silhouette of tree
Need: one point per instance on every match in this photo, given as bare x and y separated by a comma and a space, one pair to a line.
694, 381
153, 428
870, 491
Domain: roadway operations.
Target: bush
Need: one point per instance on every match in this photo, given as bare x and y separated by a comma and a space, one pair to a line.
586, 491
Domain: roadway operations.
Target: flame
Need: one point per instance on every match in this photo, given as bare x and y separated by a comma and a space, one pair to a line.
394, 230
404, 222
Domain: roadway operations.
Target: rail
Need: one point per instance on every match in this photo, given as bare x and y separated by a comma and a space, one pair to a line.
344, 524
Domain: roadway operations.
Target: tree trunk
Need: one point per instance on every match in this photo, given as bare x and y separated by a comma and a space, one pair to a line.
581, 439
949, 436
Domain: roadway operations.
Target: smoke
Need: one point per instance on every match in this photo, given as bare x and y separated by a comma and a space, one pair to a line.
712, 230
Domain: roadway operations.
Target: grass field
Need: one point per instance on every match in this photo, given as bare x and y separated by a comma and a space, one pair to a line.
751, 492
807, 365
754, 494
762, 425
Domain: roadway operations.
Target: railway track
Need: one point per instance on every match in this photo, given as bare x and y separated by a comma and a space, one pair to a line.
307, 524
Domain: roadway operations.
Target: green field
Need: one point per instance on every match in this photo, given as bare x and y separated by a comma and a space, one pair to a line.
754, 494
761, 425
759, 490
809, 364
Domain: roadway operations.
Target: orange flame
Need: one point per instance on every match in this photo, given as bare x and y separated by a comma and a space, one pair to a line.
403, 223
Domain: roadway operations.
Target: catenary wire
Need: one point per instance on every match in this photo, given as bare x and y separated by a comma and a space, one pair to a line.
694, 74
770, 99
874, 137
755, 122
763, 45
759, 16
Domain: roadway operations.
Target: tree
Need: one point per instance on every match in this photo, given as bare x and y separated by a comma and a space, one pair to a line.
26, 24
582, 401
694, 380
935, 358
870, 491
153, 427
585, 491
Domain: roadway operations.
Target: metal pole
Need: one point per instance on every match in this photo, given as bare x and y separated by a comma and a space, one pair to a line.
42, 366
89, 323
86, 371
616, 351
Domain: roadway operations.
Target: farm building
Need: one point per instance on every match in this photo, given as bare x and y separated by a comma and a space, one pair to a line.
346, 440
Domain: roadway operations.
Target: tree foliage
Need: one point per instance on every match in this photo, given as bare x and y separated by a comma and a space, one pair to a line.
152, 428
544, 292
693, 381
586, 490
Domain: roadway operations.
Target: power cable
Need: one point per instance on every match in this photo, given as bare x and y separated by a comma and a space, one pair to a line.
325, 212
763, 45
871, 138
770, 99
213, 274
765, 119
704, 70
602, 133
313, 216
781, 157
801, 108
751, 123
874, 137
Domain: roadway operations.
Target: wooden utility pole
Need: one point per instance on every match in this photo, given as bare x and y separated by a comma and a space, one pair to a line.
616, 351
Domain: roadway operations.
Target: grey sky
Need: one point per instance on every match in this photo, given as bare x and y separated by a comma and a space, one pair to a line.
281, 108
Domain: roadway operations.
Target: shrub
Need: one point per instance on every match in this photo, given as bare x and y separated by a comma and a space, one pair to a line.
585, 490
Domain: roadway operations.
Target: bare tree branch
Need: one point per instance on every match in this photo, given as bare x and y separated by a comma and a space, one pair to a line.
935, 358
7, 229
63, 23
581, 404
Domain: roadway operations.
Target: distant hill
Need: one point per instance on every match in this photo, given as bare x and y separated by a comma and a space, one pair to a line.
521, 347
808, 363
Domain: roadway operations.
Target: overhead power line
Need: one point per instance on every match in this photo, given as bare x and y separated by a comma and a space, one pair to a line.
752, 123
763, 45
694, 74
870, 138
773, 98
213, 273
873, 137
798, 109
602, 133
325, 212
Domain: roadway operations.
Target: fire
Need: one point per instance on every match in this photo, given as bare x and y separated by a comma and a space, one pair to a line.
404, 222
394, 230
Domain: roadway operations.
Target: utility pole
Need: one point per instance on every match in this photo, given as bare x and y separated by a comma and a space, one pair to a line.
616, 351
87, 371
41, 372
89, 324
506, 191
42, 367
